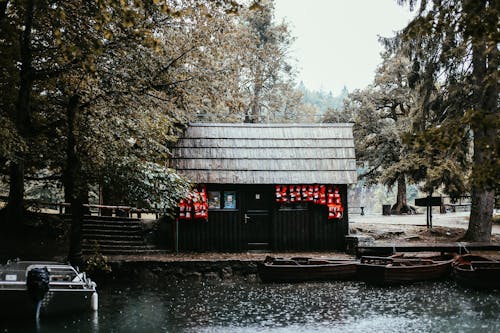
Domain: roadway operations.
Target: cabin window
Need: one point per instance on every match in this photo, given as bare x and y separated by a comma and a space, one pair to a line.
222, 200
293, 206
214, 199
229, 199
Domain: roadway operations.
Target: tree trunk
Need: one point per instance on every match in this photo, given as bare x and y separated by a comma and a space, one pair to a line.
485, 94
75, 256
73, 182
107, 199
255, 107
483, 194
401, 206
3, 9
69, 190
68, 183
480, 220
15, 203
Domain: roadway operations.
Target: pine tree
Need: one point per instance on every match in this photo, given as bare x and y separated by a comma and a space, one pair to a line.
381, 114
455, 59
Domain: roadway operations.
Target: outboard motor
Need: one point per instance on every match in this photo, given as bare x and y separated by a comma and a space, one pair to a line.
37, 283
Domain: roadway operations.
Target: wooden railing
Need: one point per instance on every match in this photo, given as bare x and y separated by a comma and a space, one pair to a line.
92, 209
462, 204
357, 210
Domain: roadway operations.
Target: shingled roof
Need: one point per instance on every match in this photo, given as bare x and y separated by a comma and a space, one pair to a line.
267, 154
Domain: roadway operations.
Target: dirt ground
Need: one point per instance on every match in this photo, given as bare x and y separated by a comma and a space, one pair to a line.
390, 233
401, 229
447, 228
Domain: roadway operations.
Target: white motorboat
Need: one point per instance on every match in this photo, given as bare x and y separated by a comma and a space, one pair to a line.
51, 288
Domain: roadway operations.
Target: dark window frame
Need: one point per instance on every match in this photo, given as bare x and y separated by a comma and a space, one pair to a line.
222, 200
293, 206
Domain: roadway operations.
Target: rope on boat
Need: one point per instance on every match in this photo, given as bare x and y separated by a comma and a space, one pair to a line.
460, 246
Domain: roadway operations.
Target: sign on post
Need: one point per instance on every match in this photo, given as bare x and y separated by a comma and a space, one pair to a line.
429, 202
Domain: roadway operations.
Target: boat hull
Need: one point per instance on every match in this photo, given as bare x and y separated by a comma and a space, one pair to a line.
477, 272
269, 272
388, 274
55, 302
61, 288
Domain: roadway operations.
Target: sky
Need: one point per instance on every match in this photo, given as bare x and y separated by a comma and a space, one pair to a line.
336, 40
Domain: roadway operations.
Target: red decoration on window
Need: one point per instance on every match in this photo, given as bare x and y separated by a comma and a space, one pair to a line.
195, 206
278, 193
182, 209
292, 193
322, 195
303, 191
335, 208
316, 194
298, 196
310, 193
281, 193
319, 194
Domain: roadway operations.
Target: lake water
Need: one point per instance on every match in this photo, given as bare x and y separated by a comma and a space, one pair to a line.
243, 306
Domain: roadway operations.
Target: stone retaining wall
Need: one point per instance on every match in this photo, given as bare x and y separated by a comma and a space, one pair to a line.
150, 271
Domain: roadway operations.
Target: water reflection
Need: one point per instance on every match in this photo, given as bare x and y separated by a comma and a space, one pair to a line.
240, 306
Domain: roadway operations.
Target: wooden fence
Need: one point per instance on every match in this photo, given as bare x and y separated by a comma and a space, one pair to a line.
93, 210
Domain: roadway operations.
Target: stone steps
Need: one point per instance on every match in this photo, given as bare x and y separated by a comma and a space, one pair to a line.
109, 250
118, 246
112, 223
113, 240
110, 233
114, 236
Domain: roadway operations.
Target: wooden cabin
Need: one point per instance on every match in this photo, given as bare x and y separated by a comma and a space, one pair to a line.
246, 169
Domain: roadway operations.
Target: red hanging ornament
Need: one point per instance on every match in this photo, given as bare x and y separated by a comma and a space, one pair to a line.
336, 196
298, 197
291, 193
304, 192
316, 194
182, 210
278, 193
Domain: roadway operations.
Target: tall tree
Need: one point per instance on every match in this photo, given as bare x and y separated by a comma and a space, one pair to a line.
138, 90
117, 88
381, 114
22, 115
453, 47
266, 76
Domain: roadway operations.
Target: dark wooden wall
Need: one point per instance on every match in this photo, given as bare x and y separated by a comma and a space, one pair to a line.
290, 229
222, 232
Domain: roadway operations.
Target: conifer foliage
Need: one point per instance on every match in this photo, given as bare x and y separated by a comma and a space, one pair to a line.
453, 46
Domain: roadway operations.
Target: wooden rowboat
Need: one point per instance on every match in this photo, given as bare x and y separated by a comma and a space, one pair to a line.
402, 270
306, 269
477, 272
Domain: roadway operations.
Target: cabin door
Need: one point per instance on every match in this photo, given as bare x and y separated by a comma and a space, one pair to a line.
256, 218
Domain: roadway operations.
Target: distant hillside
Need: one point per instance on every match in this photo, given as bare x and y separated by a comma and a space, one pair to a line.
322, 100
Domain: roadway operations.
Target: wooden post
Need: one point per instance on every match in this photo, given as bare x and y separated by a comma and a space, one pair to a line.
101, 200
429, 211
176, 235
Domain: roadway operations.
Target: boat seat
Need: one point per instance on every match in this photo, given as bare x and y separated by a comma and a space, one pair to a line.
57, 278
319, 262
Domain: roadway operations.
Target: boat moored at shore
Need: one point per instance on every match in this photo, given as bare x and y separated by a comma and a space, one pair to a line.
54, 288
306, 269
402, 270
477, 272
